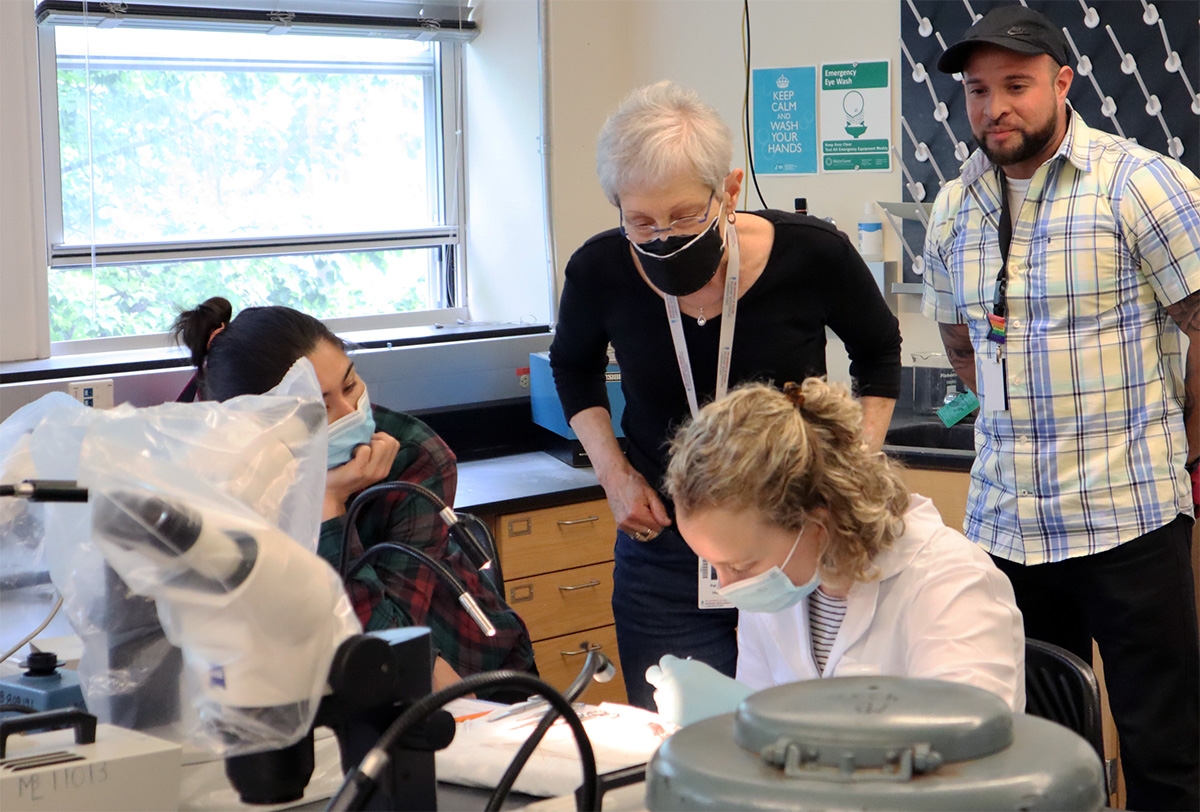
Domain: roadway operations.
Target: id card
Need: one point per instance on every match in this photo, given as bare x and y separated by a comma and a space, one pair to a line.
994, 389
706, 588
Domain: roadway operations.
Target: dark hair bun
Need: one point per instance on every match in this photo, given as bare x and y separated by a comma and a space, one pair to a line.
193, 328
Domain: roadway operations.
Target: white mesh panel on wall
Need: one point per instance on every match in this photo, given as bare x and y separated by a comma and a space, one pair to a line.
1137, 74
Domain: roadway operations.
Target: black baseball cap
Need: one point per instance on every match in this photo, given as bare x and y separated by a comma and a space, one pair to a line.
1014, 27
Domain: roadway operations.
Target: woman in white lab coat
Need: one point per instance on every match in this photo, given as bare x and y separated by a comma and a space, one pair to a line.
836, 569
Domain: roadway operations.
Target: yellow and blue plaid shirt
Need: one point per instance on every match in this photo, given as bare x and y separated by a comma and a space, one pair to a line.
1091, 449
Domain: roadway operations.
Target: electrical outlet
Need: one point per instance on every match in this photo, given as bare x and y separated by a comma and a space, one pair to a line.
523, 380
98, 394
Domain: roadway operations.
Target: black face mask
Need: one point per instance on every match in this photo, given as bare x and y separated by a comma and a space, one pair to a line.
683, 263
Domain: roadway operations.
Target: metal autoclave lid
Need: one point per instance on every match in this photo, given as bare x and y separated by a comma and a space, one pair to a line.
875, 743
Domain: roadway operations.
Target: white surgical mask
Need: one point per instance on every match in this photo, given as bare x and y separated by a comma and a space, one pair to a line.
770, 591
350, 431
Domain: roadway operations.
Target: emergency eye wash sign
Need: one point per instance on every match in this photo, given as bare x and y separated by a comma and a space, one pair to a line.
856, 117
785, 121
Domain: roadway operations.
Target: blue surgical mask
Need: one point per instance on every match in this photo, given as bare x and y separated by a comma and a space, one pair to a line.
350, 431
770, 591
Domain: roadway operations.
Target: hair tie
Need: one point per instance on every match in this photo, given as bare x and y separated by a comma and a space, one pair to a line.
213, 335
794, 393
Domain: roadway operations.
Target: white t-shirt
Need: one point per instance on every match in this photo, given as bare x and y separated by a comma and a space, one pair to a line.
1017, 188
940, 609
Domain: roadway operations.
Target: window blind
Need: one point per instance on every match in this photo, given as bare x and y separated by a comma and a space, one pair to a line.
447, 20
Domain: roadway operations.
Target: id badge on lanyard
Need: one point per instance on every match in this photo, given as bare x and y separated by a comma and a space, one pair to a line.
706, 582
993, 389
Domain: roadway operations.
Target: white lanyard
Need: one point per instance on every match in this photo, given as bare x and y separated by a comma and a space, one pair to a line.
728, 319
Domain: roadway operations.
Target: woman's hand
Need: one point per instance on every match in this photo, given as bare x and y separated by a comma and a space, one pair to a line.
686, 691
370, 464
634, 504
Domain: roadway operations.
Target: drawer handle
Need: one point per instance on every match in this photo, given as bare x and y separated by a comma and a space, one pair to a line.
588, 585
584, 649
569, 522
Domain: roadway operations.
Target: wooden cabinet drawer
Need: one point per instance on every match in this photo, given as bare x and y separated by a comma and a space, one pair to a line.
947, 489
560, 658
556, 538
560, 602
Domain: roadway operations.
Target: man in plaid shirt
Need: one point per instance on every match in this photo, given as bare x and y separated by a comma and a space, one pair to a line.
1063, 267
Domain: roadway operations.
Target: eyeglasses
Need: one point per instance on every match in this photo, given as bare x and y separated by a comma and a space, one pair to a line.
645, 232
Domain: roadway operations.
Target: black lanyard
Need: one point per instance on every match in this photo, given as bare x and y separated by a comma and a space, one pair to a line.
997, 319
1000, 299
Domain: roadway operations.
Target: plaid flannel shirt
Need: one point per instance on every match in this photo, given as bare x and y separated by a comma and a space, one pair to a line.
396, 589
1090, 452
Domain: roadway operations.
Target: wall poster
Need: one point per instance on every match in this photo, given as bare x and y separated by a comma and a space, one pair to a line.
856, 117
784, 104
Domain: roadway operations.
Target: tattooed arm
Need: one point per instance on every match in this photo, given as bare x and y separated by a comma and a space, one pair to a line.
957, 340
1186, 314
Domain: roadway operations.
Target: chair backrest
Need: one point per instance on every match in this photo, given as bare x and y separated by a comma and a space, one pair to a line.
1062, 688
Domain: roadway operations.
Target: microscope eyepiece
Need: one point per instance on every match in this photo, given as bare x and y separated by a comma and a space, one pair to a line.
130, 517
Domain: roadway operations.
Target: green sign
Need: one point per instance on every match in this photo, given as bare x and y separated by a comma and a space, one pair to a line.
855, 104
856, 161
854, 76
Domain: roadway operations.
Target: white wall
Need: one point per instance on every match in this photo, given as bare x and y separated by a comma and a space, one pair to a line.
23, 314
510, 274
601, 49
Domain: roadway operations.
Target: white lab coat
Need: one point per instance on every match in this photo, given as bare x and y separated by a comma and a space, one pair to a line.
940, 609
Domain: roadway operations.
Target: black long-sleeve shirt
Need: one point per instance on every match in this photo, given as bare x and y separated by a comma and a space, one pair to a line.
813, 279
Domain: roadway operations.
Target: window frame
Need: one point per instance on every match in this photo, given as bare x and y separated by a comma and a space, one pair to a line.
445, 161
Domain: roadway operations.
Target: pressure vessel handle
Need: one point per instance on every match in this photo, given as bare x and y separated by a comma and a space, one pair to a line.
83, 722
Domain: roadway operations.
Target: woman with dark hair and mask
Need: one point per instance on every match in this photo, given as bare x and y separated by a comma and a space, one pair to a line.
665, 290
250, 354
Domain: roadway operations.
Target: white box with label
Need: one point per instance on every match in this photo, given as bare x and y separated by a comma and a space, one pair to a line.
123, 771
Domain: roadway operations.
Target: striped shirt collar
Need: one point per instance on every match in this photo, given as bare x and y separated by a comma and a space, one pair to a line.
1074, 148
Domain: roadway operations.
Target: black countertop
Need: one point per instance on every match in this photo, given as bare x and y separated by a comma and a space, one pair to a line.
921, 441
532, 479
503, 467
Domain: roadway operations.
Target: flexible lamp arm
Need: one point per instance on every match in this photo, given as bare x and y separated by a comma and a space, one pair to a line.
464, 598
46, 490
596, 666
359, 782
479, 557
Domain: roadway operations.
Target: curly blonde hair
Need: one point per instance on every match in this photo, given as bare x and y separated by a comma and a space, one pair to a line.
786, 454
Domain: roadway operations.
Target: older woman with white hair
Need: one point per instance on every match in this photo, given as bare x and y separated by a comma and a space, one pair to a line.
665, 289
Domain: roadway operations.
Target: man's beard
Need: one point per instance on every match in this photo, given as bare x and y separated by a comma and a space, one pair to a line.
1030, 146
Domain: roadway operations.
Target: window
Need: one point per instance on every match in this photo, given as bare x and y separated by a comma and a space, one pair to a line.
303, 159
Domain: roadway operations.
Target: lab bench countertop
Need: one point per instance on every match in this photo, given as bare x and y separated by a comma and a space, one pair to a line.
519, 482
535, 479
